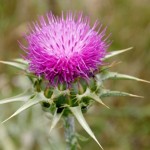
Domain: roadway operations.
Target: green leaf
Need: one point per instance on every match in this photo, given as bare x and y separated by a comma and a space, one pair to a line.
27, 105
108, 93
117, 52
15, 64
79, 116
55, 120
114, 75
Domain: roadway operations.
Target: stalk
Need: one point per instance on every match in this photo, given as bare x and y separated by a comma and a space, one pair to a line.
70, 137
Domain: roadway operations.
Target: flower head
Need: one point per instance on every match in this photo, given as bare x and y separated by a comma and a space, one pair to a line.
65, 48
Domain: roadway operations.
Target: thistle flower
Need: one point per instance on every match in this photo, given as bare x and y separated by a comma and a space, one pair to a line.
65, 48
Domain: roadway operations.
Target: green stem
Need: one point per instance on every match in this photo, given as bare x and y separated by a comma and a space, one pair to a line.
70, 136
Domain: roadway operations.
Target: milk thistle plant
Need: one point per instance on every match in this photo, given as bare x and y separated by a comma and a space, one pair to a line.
66, 62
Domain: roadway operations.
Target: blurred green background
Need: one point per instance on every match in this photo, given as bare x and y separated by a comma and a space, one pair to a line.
126, 126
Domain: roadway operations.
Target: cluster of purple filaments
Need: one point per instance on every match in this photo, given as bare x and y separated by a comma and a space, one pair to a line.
64, 48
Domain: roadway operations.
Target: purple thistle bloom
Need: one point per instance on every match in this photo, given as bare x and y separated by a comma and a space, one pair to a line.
63, 49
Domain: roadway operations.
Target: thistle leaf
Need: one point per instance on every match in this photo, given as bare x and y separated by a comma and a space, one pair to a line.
117, 52
15, 64
27, 105
114, 75
55, 120
108, 93
79, 116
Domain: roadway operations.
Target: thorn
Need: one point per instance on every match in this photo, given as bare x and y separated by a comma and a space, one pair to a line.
138, 96
105, 105
141, 80
116, 52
